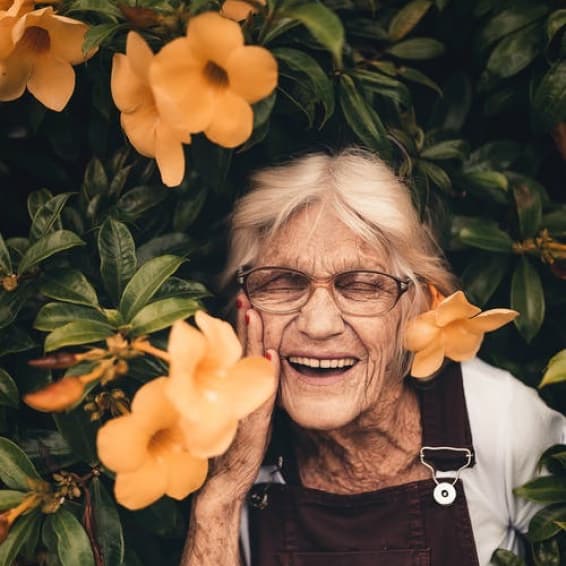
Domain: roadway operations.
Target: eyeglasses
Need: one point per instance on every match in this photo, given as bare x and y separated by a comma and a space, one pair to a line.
280, 290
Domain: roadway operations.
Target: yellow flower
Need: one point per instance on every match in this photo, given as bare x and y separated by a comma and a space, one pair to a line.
239, 10
207, 80
146, 129
10, 12
147, 450
57, 396
210, 386
44, 46
454, 328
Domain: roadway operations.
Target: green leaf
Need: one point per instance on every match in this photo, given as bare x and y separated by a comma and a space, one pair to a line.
487, 184
117, 257
361, 117
109, 534
418, 48
324, 25
309, 72
11, 304
14, 339
555, 370
79, 433
416, 76
95, 180
143, 285
96, 35
161, 314
46, 247
16, 469
188, 209
436, 174
449, 149
48, 216
18, 246
556, 21
69, 286
97, 6
451, 111
555, 221
546, 553
77, 332
5, 261
502, 557
529, 210
137, 201
73, 546
9, 395
515, 52
384, 86
548, 489
176, 287
483, 275
9, 499
543, 524
54, 315
174, 243
22, 530
549, 100
36, 200
527, 297
407, 18
485, 235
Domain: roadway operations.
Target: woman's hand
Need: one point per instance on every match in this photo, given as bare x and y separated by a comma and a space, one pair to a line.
233, 473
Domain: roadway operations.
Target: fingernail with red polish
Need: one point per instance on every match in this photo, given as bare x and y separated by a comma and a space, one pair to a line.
268, 355
239, 303
247, 318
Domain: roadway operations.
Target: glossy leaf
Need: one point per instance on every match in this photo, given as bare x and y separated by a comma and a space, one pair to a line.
11, 304
555, 221
143, 285
556, 21
407, 18
95, 179
515, 52
305, 68
487, 184
324, 25
177, 287
14, 339
36, 199
47, 246
10, 498
16, 469
9, 395
69, 286
54, 315
79, 433
23, 529
77, 332
485, 235
549, 100
109, 534
436, 174
98, 34
48, 216
527, 297
483, 275
555, 370
161, 314
543, 525
73, 546
417, 48
449, 149
415, 76
139, 200
502, 557
5, 260
363, 120
529, 210
117, 252
188, 209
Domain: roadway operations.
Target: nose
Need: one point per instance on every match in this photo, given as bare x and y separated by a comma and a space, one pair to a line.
320, 317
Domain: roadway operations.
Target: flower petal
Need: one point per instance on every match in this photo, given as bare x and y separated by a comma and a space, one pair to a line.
6, 43
140, 127
135, 490
139, 55
122, 444
460, 343
185, 474
233, 119
454, 307
236, 10
14, 74
491, 320
252, 72
420, 331
212, 435
213, 37
250, 383
427, 361
182, 93
152, 405
52, 82
128, 91
223, 349
66, 37
57, 396
169, 155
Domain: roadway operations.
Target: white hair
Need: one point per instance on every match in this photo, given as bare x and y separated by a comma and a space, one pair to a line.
366, 196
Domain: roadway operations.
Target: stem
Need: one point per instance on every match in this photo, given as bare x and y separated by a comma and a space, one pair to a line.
145, 347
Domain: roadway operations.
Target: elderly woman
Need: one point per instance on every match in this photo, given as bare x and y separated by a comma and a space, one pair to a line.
358, 465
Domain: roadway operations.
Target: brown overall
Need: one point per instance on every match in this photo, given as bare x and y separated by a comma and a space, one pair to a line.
291, 525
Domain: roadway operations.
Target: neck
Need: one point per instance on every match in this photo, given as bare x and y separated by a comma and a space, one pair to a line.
379, 449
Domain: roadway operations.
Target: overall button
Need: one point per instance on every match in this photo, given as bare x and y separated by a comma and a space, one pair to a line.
444, 493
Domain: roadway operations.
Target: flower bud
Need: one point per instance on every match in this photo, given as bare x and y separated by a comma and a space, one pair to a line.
57, 396
10, 282
4, 527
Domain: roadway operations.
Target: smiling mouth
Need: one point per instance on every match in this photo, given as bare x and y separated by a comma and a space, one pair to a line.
321, 367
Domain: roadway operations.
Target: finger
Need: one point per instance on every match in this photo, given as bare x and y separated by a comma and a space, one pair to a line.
254, 343
243, 305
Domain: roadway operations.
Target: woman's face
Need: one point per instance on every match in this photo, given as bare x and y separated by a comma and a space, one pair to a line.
320, 333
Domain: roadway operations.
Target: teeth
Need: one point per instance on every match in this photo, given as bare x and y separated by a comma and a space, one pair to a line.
322, 363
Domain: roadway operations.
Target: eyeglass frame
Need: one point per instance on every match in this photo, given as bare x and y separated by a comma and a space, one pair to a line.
323, 282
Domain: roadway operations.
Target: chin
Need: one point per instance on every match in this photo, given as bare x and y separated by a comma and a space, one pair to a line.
318, 416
